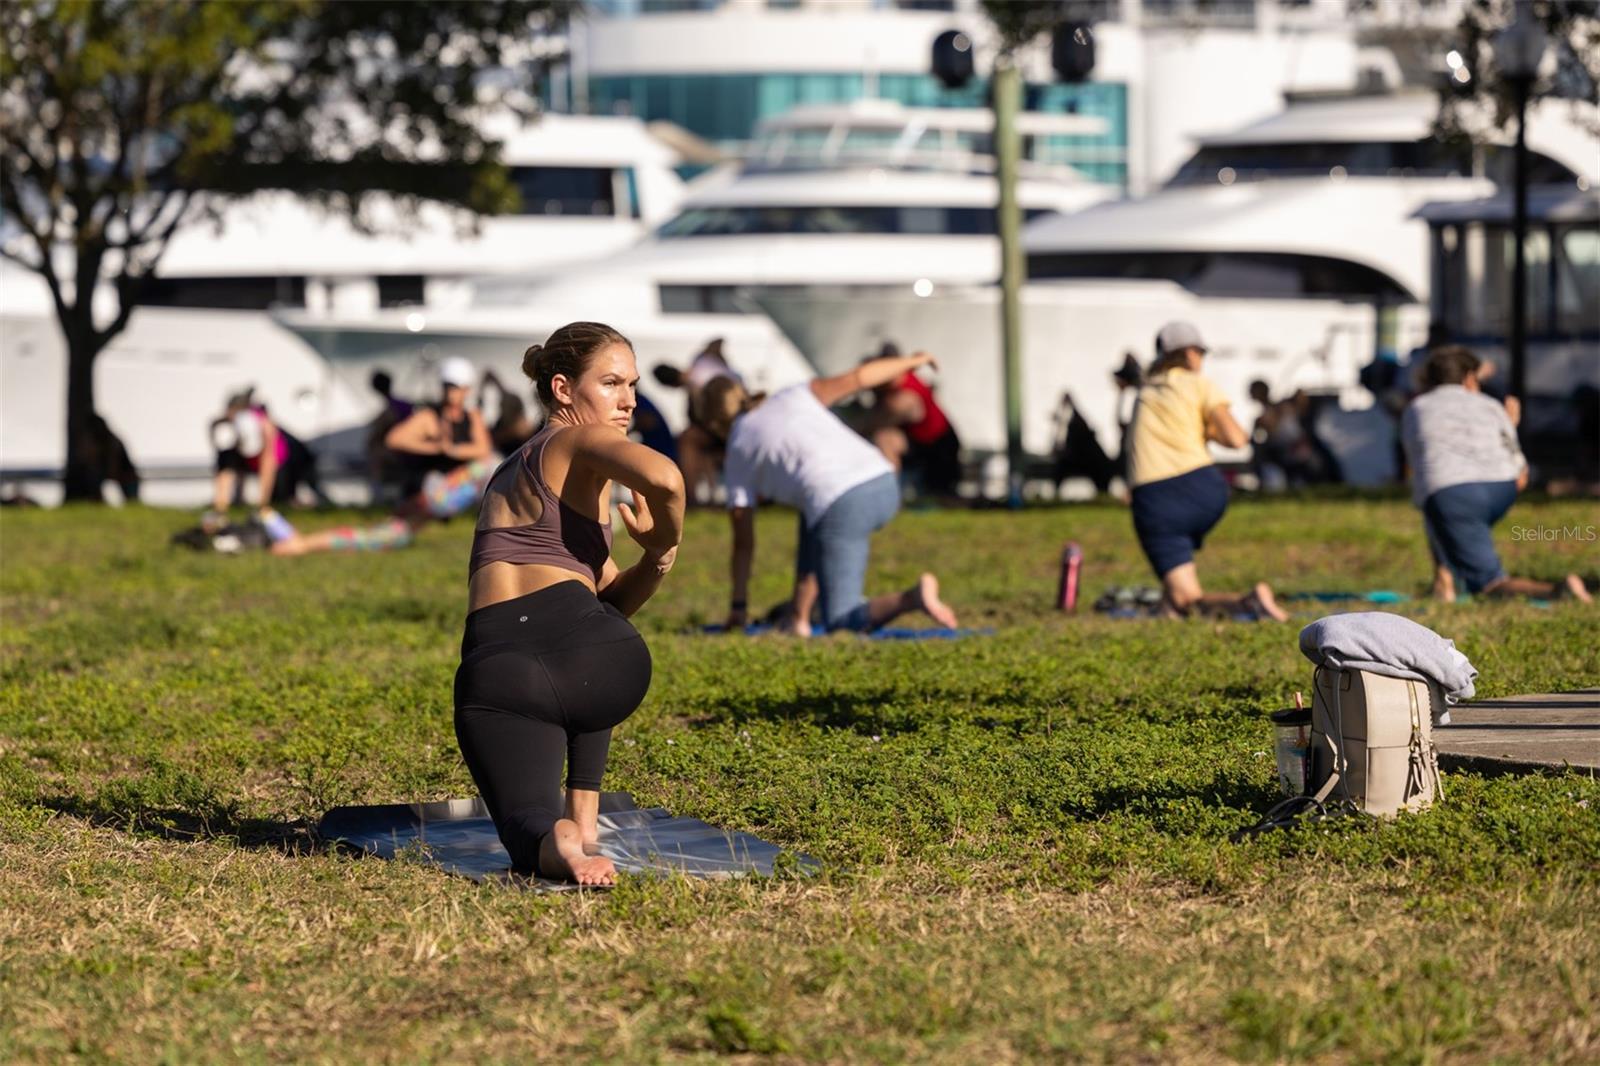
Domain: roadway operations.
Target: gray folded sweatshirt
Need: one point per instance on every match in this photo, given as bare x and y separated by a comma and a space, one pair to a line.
1391, 645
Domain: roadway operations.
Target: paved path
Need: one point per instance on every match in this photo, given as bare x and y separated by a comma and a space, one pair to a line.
1523, 734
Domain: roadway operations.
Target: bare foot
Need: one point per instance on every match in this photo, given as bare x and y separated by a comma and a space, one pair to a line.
928, 599
799, 628
1573, 587
563, 855
1263, 602
1444, 586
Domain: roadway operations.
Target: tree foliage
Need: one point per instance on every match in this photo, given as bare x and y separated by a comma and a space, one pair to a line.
1487, 100
1020, 22
120, 119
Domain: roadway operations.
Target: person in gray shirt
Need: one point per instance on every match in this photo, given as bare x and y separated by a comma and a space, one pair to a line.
1466, 471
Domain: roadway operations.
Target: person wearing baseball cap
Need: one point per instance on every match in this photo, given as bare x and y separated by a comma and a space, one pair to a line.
439, 437
1179, 495
448, 456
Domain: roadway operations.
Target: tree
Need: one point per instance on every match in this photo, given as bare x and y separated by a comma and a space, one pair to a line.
122, 120
1477, 99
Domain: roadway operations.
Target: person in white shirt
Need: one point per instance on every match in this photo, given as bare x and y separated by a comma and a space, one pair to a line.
790, 448
1466, 471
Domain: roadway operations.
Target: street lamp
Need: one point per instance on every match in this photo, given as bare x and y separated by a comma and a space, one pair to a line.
1518, 49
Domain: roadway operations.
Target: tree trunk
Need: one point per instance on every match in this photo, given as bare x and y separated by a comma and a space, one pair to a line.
84, 475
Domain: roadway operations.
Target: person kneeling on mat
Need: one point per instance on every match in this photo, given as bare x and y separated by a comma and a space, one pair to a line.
1178, 493
1466, 471
792, 449
549, 662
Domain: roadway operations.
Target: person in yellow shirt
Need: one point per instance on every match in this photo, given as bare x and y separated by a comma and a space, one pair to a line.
1178, 493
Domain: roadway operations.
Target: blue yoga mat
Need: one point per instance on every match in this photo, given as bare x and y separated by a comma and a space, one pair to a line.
457, 836
756, 629
1375, 596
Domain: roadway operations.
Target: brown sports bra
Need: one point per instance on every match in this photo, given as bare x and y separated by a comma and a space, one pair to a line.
559, 537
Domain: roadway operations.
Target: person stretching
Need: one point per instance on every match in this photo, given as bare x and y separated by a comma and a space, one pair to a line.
1178, 493
549, 662
1466, 471
792, 449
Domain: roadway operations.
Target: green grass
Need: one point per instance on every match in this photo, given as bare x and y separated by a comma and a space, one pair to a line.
1025, 836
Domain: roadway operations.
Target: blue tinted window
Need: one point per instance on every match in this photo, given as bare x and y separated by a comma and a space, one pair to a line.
726, 107
565, 190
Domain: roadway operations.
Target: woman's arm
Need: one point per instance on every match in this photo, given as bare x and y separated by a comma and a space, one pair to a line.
1224, 429
739, 564
268, 473
628, 590
417, 434
868, 375
655, 521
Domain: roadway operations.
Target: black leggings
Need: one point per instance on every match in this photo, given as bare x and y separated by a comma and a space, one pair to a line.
543, 679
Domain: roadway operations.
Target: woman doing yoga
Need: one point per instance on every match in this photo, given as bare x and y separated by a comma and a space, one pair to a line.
1178, 493
549, 662
790, 448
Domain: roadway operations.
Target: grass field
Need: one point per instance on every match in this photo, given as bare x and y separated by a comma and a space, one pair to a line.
1025, 836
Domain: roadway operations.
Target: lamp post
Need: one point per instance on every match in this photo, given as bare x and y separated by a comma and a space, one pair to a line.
1013, 267
1518, 50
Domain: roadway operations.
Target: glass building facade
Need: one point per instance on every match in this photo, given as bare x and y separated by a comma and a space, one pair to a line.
724, 108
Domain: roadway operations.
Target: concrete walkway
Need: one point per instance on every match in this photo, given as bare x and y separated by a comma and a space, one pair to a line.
1523, 734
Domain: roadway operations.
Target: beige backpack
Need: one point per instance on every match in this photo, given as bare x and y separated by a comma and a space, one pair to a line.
1372, 742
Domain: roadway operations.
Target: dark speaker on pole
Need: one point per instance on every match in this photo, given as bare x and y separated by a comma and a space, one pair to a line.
952, 59
1072, 51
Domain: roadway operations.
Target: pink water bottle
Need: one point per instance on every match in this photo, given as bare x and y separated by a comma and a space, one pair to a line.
1067, 588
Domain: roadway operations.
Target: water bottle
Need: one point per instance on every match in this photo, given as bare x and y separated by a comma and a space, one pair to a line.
1067, 587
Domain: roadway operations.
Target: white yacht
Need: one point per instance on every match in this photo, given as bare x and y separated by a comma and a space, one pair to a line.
867, 193
589, 185
1292, 243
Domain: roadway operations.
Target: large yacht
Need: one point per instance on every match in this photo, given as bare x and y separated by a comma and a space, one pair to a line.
867, 193
589, 186
1293, 244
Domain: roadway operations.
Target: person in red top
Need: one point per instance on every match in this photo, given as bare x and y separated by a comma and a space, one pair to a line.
912, 430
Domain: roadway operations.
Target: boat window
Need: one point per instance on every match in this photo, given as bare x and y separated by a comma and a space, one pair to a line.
1499, 165
233, 294
1227, 163
1242, 274
1577, 283
745, 221
565, 190
871, 142
702, 300
399, 290
1473, 279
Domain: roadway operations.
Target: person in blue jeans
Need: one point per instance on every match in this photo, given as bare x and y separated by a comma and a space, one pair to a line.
791, 448
1466, 471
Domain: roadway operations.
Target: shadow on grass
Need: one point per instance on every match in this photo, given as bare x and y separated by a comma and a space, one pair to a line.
296, 839
866, 712
885, 708
1170, 802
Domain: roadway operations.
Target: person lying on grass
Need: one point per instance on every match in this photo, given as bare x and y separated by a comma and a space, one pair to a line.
790, 448
448, 455
1178, 493
1466, 471
549, 662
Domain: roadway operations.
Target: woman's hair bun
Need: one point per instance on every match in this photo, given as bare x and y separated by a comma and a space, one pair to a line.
530, 359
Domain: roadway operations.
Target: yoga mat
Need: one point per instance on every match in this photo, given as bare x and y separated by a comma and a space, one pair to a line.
756, 629
1375, 596
458, 837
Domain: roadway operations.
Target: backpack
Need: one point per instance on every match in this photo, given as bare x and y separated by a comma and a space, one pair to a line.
1372, 742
